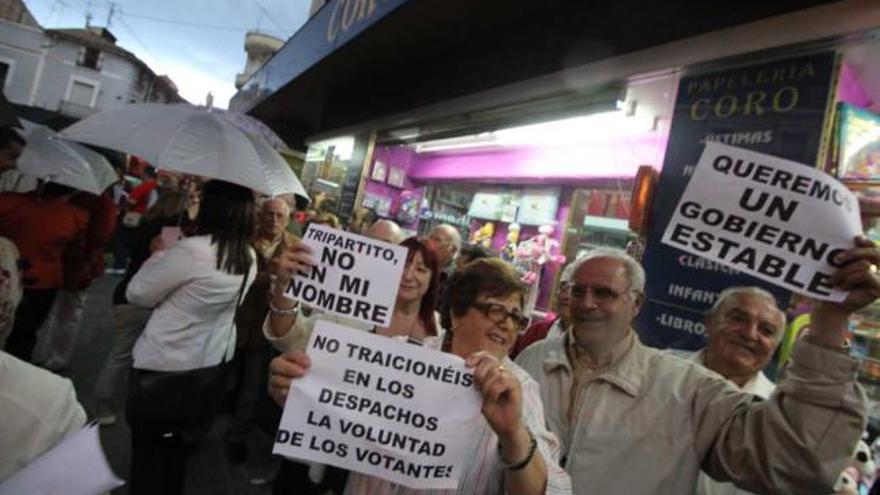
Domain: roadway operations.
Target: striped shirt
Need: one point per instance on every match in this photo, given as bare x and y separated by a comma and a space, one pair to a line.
483, 473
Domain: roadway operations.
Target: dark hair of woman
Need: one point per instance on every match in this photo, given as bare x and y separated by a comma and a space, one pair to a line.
491, 277
429, 300
227, 215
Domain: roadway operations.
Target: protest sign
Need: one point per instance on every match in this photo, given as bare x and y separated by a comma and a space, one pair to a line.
779, 107
355, 276
74, 466
381, 407
775, 219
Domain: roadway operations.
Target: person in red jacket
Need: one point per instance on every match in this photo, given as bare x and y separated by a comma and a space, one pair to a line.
141, 197
138, 202
42, 224
83, 261
550, 327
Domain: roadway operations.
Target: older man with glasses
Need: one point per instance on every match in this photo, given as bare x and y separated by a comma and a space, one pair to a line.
637, 420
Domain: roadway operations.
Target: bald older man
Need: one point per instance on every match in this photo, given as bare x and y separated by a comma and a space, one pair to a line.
252, 353
272, 218
385, 230
447, 241
744, 327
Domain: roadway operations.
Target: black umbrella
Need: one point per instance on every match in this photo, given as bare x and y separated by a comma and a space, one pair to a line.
7, 113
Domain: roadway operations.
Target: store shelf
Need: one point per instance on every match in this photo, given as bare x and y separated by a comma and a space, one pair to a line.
858, 184
439, 220
451, 203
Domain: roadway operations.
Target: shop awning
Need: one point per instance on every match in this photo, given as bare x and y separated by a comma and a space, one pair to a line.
358, 60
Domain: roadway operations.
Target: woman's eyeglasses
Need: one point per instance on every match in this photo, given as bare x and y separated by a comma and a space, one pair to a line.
498, 313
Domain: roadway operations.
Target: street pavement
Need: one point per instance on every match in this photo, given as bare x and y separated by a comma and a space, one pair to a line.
209, 472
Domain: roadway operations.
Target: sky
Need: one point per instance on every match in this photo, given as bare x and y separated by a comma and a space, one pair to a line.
198, 43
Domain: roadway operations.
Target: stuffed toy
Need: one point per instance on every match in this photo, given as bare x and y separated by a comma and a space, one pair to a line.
483, 235
863, 460
535, 252
848, 482
858, 477
508, 252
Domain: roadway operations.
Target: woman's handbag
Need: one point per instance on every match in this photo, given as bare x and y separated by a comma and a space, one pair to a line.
175, 400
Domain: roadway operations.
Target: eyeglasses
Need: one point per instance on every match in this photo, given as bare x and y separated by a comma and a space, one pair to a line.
600, 294
498, 314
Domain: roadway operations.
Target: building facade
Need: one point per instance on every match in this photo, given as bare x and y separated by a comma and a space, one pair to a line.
75, 72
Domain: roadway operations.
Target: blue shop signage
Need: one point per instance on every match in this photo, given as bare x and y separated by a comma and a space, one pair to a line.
337, 23
779, 108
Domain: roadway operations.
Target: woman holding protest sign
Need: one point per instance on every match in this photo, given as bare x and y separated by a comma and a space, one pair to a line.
413, 318
513, 452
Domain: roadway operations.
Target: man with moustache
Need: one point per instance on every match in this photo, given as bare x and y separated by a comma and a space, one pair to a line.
637, 420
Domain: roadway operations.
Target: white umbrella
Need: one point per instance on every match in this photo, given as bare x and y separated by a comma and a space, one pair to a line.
192, 140
62, 162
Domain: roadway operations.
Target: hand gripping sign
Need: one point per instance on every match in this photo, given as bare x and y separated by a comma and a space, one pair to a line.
381, 407
778, 220
356, 277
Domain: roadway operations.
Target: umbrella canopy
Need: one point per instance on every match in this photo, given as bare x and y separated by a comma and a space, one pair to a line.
7, 113
63, 162
192, 140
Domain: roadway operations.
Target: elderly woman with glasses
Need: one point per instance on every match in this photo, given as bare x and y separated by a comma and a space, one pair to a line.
512, 452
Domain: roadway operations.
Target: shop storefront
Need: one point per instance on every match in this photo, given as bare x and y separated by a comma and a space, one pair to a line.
552, 159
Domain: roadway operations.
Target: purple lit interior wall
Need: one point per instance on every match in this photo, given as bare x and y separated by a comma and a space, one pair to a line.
402, 157
568, 167
850, 89
533, 165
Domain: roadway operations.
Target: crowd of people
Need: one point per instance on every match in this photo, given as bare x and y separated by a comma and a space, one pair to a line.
571, 404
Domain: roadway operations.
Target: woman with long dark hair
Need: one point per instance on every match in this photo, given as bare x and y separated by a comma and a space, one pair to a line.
194, 288
414, 317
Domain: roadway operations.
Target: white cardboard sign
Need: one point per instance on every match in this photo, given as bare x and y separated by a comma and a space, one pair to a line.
776, 219
355, 277
75, 466
381, 407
